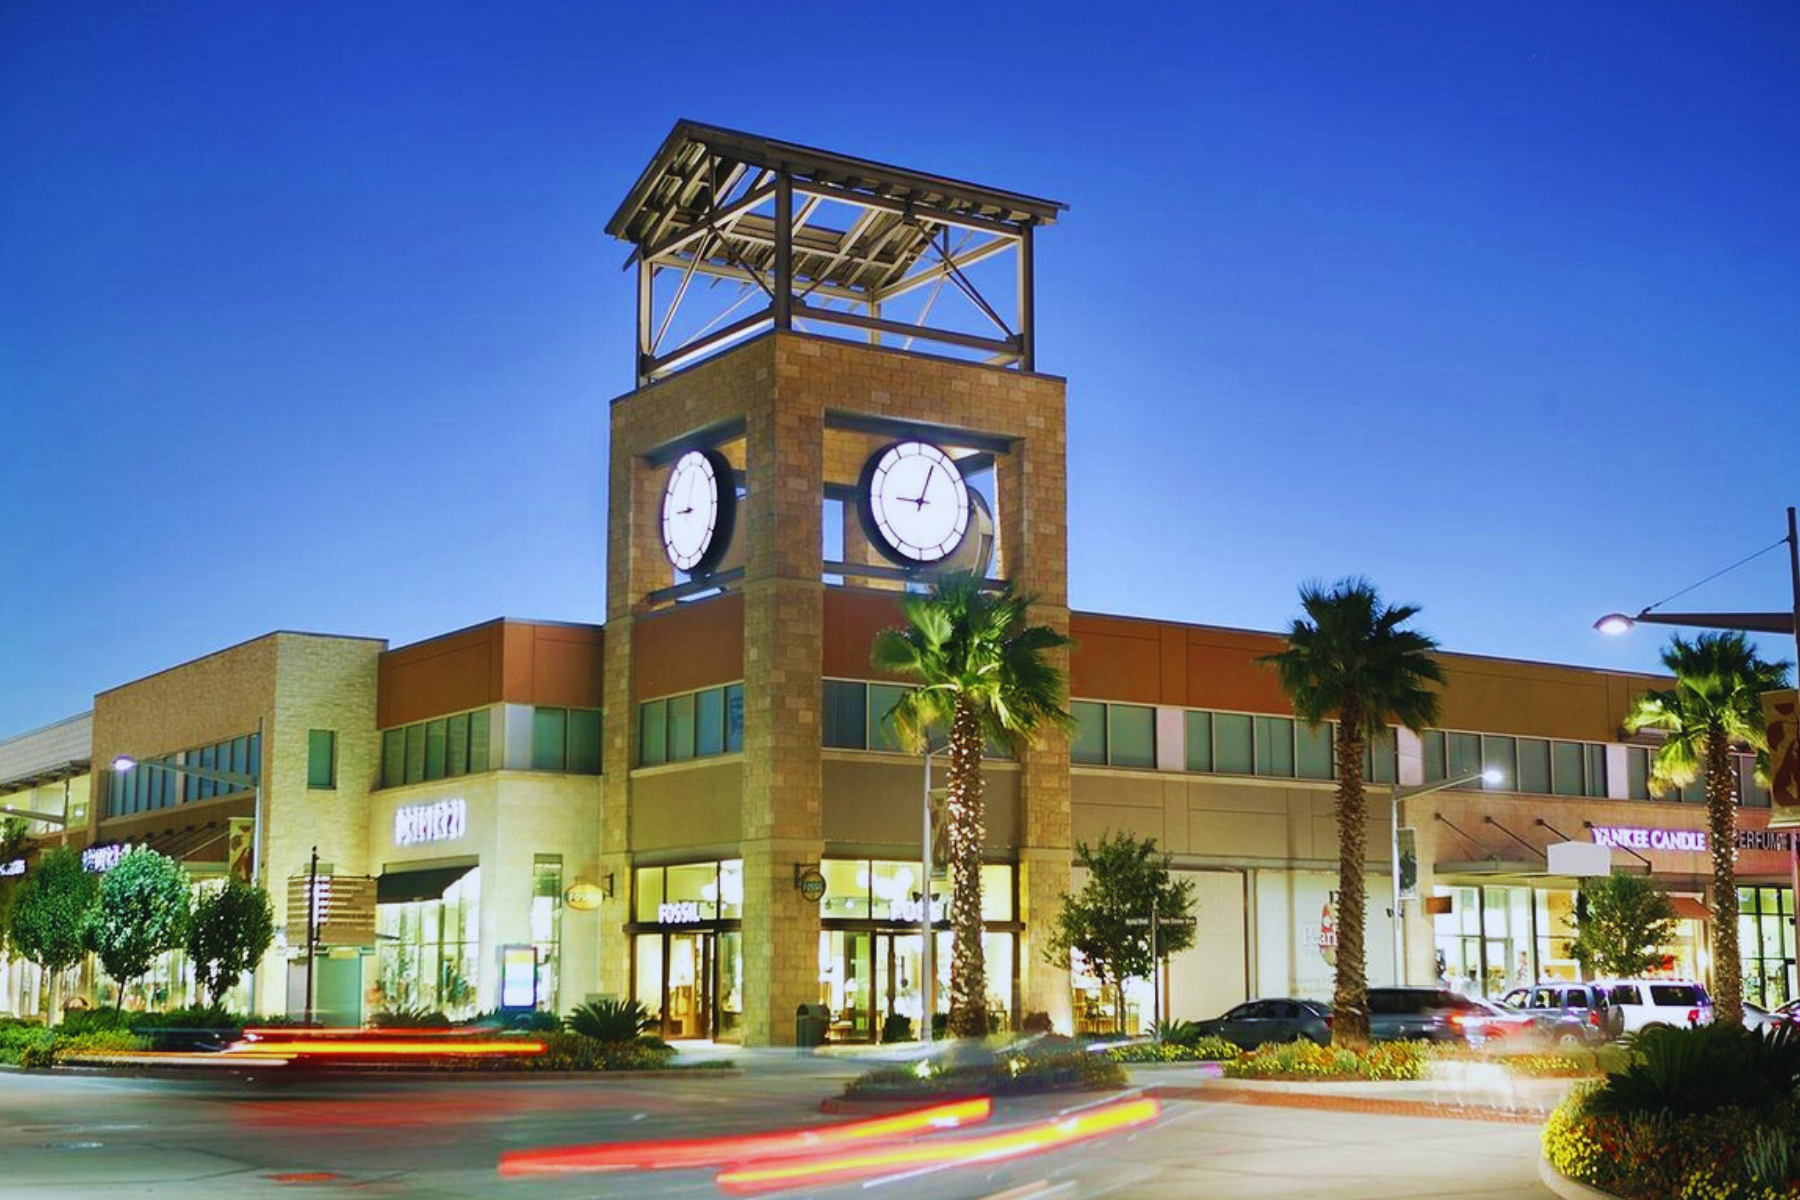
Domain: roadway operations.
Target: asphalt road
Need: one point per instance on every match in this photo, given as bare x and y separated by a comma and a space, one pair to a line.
66, 1136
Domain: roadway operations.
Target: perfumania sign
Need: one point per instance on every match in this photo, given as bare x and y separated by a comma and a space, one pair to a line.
1688, 841
440, 821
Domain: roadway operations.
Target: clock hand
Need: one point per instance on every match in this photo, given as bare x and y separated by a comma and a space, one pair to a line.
925, 487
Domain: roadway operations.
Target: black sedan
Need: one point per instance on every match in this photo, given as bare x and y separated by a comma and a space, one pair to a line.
1259, 1022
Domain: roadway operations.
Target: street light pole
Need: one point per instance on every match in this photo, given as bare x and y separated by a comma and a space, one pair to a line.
1395, 795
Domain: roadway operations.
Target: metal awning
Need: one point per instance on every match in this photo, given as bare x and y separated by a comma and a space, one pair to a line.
425, 883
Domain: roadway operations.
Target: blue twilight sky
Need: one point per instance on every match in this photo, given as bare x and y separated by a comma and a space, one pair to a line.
308, 319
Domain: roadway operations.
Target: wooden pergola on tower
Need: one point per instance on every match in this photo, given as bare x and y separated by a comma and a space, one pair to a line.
820, 242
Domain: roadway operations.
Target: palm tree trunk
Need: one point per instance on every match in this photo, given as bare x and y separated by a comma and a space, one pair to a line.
1721, 839
1350, 1002
968, 970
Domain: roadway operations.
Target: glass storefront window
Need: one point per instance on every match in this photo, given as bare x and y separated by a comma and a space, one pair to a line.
731, 889
429, 954
649, 962
546, 926
649, 892
846, 888
996, 891
695, 883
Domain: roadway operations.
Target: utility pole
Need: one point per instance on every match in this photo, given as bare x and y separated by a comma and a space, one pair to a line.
312, 928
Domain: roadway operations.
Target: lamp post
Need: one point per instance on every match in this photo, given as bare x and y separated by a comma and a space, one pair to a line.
927, 932
1395, 795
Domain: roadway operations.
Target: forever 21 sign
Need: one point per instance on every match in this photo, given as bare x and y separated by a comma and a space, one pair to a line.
440, 821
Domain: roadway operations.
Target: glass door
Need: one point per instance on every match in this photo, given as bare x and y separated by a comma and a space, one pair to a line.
690, 986
856, 1021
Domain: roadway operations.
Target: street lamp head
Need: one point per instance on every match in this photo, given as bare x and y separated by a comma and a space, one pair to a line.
124, 763
1614, 623
1493, 776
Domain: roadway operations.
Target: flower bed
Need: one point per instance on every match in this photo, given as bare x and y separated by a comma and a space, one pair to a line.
1208, 1049
1008, 1070
1706, 1114
1309, 1061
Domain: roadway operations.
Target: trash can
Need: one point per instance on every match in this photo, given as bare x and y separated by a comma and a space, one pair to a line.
810, 1024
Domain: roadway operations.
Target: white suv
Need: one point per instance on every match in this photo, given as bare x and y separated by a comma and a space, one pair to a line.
1653, 1003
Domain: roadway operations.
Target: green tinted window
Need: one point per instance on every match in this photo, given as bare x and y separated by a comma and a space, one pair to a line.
1565, 768
549, 731
458, 762
1501, 754
1232, 744
321, 758
393, 757
709, 722
1312, 750
1274, 746
1131, 735
584, 741
1432, 746
1465, 756
436, 745
845, 715
882, 698
1199, 741
734, 717
653, 732
1381, 761
681, 727
1596, 770
479, 724
1637, 768
1534, 766
1089, 742
415, 753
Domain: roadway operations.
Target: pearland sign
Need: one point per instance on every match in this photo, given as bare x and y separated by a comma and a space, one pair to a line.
440, 821
1686, 841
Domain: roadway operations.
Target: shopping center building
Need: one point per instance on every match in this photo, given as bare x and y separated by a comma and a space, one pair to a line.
533, 814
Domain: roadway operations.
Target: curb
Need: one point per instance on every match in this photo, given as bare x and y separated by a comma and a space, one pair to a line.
1337, 1102
1569, 1189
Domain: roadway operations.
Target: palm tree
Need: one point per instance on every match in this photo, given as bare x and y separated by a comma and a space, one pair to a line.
1716, 701
983, 675
1349, 659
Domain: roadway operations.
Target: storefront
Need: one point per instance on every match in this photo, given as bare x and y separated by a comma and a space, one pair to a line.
871, 946
687, 959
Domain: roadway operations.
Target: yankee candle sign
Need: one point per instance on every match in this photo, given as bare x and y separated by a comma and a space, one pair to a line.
1691, 841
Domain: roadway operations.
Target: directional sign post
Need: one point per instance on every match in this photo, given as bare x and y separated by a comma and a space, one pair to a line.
1155, 922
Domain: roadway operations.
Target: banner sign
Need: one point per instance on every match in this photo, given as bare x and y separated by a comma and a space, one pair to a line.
1781, 718
1686, 841
1409, 863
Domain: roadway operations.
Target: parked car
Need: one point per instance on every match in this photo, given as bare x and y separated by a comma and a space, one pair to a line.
1431, 1014
1259, 1022
1568, 1014
1652, 1003
1495, 1023
1761, 1019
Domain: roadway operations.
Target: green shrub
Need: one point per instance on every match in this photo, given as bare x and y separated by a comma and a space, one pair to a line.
1206, 1049
1308, 1060
1177, 1032
614, 1021
1690, 1072
897, 1028
1016, 1069
99, 1041
78, 1021
578, 1052
409, 1018
39, 1054
16, 1041
533, 1020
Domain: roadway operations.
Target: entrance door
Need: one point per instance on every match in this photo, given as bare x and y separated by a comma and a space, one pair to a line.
689, 967
898, 974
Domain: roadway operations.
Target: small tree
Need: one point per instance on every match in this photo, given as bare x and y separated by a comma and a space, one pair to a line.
230, 931
142, 911
14, 841
49, 914
1621, 924
1127, 882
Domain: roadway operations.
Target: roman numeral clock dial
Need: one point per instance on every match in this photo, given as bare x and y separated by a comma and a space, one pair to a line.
915, 504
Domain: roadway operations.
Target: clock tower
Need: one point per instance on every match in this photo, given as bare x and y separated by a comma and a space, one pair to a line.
837, 400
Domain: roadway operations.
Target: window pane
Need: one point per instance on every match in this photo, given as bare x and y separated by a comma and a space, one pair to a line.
653, 731
1199, 741
479, 723
458, 761
734, 717
695, 883
240, 755
996, 892
649, 892
846, 888
1231, 743
549, 734
1434, 756
1465, 755
1089, 742
1500, 754
255, 771
415, 753
1312, 750
1131, 735
1534, 766
321, 755
436, 743
882, 698
1381, 762
1565, 768
845, 715
393, 757
1596, 770
1637, 766
1274, 746
681, 727
709, 722
584, 741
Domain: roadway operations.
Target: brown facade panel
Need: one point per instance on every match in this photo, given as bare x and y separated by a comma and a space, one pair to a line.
853, 618
688, 647
566, 665
1538, 700
445, 674
1115, 659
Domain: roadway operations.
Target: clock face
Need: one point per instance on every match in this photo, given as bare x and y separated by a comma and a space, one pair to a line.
915, 505
697, 508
